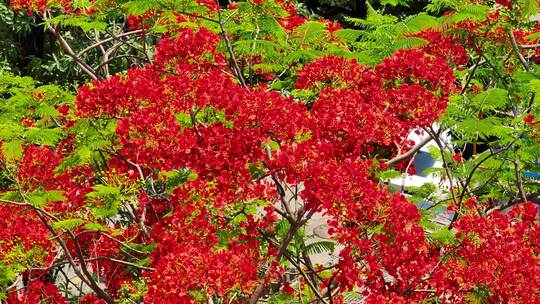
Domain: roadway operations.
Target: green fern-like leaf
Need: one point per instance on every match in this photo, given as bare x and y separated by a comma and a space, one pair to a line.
409, 43
320, 247
39, 198
309, 31
528, 7
68, 224
257, 47
349, 35
491, 99
421, 22
476, 13
43, 136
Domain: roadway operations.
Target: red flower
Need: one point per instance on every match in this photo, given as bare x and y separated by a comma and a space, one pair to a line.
457, 157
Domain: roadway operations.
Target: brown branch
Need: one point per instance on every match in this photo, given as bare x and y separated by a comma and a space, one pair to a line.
107, 60
104, 258
85, 276
411, 152
142, 178
519, 181
312, 284
67, 48
470, 176
235, 67
112, 239
259, 291
445, 163
530, 46
101, 42
517, 51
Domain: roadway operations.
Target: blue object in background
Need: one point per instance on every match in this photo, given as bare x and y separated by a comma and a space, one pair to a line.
423, 161
533, 175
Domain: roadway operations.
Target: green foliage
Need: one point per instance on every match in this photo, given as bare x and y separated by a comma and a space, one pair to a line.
96, 227
40, 198
91, 137
420, 22
86, 23
68, 224
480, 295
422, 193
388, 174
22, 99
7, 276
175, 178
319, 247
382, 34
132, 292
443, 236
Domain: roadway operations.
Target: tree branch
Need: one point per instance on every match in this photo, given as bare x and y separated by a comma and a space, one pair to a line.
411, 152
517, 50
101, 42
234, 62
67, 48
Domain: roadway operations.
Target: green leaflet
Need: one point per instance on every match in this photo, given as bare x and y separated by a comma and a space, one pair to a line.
85, 23
68, 224
40, 198
43, 136
309, 31
350, 35
106, 201
409, 43
472, 128
12, 150
96, 227
492, 99
320, 247
444, 236
421, 22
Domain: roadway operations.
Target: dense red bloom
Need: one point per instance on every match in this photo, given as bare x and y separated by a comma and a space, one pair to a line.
29, 5
458, 157
358, 105
21, 229
142, 21
38, 170
481, 261
193, 167
505, 3
190, 256
38, 291
91, 298
444, 46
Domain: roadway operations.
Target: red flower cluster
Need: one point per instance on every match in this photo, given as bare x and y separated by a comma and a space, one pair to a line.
187, 113
191, 256
37, 171
533, 125
498, 253
360, 108
444, 46
20, 229
37, 291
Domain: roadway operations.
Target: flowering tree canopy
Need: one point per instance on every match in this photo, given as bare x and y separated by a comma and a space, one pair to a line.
193, 174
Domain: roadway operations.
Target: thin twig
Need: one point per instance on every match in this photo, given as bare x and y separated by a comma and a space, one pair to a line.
517, 51
519, 181
235, 66
101, 42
